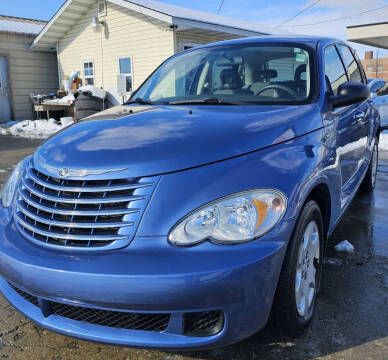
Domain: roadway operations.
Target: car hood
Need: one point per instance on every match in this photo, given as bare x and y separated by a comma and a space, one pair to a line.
151, 140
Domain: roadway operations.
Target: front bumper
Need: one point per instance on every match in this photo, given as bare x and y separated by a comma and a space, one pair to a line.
150, 276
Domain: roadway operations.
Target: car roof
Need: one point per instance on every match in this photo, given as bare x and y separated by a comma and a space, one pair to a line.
310, 40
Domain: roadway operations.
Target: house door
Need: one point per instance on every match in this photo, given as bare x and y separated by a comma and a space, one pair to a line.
5, 104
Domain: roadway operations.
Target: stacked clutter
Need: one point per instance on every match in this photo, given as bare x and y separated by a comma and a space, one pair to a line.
90, 100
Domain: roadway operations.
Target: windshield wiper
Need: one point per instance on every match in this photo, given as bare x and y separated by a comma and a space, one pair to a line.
139, 101
206, 101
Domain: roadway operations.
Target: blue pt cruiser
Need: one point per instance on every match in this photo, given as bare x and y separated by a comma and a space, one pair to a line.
190, 215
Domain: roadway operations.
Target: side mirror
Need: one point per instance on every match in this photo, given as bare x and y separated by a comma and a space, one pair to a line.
350, 93
375, 85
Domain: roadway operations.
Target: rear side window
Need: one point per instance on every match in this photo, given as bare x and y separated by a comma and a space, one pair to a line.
334, 71
350, 63
362, 71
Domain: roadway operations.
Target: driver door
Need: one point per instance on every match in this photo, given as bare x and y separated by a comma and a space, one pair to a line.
350, 122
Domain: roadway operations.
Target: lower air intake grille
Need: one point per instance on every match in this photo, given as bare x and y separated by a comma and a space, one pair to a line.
205, 323
30, 298
114, 319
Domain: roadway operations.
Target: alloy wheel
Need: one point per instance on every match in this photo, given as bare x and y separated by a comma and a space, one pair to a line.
306, 270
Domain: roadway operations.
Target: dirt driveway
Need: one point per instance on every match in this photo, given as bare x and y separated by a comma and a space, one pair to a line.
352, 316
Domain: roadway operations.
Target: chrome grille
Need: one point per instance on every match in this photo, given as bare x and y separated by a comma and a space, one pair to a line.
82, 214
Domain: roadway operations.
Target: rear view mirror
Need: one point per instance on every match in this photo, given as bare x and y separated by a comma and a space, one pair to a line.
350, 93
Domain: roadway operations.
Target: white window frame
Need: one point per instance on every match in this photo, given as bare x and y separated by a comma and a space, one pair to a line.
127, 74
87, 77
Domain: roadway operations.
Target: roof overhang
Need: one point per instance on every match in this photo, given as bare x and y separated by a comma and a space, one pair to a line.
188, 25
375, 35
62, 21
184, 25
70, 12
143, 10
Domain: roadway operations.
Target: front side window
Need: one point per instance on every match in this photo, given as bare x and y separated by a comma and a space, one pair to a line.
89, 72
241, 74
334, 71
350, 63
125, 66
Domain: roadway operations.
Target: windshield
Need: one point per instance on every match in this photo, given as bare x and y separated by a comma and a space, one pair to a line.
234, 74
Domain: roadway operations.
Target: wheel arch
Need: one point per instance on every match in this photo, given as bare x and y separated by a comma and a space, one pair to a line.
321, 194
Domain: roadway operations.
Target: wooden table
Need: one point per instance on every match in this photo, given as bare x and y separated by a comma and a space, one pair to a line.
55, 107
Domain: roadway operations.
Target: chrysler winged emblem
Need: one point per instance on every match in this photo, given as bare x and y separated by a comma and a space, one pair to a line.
66, 172
63, 172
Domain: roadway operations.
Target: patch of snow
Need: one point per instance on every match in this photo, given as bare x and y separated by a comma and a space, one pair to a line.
333, 261
20, 27
344, 246
383, 144
66, 120
3, 171
32, 129
95, 91
68, 100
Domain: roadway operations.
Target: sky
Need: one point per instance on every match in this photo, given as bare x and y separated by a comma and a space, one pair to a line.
318, 20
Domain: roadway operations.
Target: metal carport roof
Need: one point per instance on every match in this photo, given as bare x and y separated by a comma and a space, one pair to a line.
374, 34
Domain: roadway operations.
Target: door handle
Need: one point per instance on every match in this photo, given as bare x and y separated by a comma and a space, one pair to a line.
359, 115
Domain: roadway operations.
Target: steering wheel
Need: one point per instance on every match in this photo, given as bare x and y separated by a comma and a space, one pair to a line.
283, 88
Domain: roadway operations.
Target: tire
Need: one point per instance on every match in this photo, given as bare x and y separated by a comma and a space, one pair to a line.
89, 104
81, 114
289, 316
86, 101
369, 182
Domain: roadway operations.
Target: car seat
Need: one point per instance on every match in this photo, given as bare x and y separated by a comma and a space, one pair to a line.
231, 83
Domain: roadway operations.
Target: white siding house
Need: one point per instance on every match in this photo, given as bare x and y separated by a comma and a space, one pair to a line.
23, 71
103, 38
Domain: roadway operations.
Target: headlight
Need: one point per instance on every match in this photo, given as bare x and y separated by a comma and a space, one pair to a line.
234, 219
9, 188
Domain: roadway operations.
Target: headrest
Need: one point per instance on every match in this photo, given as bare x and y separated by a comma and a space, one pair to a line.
299, 71
268, 74
230, 79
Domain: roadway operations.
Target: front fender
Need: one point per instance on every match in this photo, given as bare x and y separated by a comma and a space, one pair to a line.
293, 167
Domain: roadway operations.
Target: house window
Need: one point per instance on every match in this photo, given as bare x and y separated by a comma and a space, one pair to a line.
89, 72
125, 65
369, 68
379, 68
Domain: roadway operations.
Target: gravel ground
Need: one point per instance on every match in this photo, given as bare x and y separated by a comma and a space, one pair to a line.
351, 320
